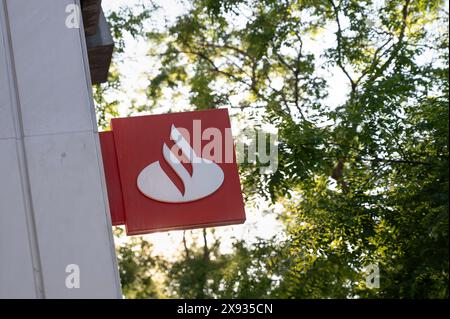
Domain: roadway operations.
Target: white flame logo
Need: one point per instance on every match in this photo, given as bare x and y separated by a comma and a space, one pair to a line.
206, 176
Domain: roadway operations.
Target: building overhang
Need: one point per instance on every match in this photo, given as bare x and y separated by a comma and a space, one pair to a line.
99, 41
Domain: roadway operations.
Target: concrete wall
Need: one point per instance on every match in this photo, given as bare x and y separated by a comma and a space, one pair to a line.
53, 205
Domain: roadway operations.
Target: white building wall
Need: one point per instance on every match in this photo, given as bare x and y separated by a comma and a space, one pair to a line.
53, 205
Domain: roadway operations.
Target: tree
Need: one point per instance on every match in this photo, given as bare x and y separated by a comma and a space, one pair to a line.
138, 268
205, 272
362, 182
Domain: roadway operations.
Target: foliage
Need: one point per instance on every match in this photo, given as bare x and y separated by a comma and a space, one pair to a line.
138, 268
364, 180
205, 272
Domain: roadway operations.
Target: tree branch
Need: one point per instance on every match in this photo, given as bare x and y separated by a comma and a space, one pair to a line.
186, 249
339, 46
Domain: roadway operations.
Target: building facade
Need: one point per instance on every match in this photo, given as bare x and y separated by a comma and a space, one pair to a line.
55, 229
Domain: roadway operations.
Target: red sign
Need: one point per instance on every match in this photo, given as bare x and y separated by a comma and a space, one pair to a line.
172, 171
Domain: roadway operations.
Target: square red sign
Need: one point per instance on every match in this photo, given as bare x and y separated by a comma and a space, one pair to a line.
177, 171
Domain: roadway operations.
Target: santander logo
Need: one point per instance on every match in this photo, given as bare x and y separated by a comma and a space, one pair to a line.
206, 176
